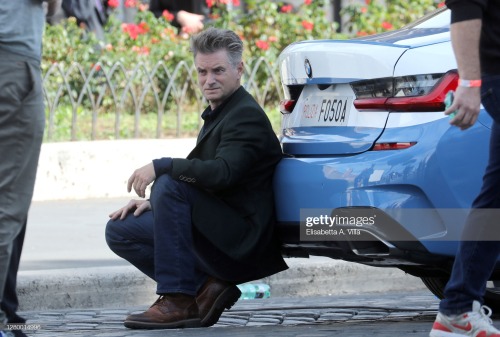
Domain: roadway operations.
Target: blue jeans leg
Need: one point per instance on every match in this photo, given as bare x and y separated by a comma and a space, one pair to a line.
176, 267
133, 240
159, 242
476, 258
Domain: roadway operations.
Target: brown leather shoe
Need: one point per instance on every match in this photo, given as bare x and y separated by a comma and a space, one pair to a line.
168, 312
213, 298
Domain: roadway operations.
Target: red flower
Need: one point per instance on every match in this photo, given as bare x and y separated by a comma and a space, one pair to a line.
130, 3
307, 2
210, 3
272, 39
386, 25
367, 2
441, 4
168, 16
307, 25
262, 44
286, 8
143, 28
128, 28
144, 50
361, 33
113, 3
364, 9
134, 30
236, 3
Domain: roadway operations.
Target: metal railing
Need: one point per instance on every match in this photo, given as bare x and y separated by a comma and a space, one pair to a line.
134, 90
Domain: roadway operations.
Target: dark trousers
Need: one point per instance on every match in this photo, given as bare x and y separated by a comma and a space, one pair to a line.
10, 302
165, 246
22, 120
477, 256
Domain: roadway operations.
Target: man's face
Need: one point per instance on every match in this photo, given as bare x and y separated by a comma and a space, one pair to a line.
217, 77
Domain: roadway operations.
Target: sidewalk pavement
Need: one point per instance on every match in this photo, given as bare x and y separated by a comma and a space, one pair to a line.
379, 315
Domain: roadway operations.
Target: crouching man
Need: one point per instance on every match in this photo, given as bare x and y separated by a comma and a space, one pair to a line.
209, 222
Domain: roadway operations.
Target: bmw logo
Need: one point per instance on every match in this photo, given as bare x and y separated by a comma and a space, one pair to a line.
309, 70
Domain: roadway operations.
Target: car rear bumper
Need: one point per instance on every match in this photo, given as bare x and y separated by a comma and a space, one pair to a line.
425, 176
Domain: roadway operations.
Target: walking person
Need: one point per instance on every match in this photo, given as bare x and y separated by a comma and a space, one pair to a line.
22, 121
209, 222
89, 14
475, 35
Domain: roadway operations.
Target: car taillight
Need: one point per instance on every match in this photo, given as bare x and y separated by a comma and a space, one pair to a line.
292, 93
287, 105
405, 93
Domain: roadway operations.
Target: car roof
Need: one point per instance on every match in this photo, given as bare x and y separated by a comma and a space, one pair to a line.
431, 28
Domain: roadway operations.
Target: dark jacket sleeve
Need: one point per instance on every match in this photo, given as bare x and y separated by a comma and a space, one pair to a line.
162, 166
466, 10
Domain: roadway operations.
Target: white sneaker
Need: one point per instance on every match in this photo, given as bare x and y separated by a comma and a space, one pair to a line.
476, 323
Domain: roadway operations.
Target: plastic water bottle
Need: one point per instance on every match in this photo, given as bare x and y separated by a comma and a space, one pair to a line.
250, 291
448, 101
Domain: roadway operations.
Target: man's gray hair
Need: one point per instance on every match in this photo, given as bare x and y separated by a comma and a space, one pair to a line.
212, 40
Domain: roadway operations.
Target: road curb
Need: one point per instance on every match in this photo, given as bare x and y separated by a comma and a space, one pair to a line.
125, 286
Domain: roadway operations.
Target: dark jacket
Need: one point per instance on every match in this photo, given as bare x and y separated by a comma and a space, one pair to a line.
88, 12
233, 163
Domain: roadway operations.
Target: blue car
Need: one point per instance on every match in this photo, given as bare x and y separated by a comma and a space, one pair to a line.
374, 173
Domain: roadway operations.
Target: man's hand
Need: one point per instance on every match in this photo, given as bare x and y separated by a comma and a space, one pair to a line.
465, 40
467, 103
140, 179
191, 23
138, 206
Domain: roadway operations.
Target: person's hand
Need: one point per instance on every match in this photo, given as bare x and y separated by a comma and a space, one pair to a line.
140, 179
138, 206
191, 23
467, 102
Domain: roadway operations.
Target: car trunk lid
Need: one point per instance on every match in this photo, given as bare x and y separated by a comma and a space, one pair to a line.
335, 102
324, 120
